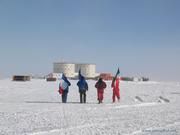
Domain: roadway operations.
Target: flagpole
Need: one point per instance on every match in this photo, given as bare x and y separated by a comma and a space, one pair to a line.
118, 72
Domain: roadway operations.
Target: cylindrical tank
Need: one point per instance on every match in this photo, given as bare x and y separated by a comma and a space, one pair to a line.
67, 68
87, 70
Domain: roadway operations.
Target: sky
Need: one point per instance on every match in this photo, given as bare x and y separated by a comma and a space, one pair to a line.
141, 37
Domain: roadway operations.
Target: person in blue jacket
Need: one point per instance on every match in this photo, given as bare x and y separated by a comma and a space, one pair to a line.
83, 87
64, 87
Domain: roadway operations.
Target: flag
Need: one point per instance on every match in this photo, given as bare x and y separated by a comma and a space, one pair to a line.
80, 75
64, 77
117, 73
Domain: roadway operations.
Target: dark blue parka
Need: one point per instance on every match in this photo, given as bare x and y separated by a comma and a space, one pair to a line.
82, 84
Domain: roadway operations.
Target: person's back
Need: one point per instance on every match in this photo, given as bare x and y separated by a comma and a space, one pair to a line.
100, 85
82, 84
64, 87
115, 86
116, 90
83, 87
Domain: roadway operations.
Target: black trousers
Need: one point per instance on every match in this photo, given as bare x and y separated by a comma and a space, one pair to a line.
82, 96
64, 97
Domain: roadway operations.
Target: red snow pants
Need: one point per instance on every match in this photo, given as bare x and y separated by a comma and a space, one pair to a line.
100, 94
116, 93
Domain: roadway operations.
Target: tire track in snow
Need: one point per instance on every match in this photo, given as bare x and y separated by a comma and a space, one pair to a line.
92, 128
135, 105
137, 98
66, 129
163, 100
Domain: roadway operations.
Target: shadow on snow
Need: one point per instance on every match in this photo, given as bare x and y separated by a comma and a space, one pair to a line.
50, 102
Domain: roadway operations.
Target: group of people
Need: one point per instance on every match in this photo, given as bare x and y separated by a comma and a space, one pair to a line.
83, 88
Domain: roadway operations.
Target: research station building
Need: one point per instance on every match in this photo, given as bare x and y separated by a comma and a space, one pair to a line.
71, 69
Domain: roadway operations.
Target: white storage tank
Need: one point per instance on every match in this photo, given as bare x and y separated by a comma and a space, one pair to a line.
67, 68
87, 70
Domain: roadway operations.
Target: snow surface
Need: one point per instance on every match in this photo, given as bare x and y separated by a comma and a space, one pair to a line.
35, 108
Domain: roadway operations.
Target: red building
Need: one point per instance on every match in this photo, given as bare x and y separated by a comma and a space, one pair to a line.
106, 76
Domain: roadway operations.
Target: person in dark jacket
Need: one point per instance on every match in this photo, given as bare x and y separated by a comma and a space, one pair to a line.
100, 85
83, 87
64, 88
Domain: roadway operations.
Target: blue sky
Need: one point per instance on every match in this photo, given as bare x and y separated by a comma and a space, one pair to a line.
142, 37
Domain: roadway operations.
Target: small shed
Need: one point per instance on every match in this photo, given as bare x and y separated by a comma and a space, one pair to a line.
51, 79
106, 76
21, 78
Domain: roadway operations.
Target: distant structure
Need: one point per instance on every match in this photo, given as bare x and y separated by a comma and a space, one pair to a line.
53, 76
67, 68
71, 69
37, 76
135, 79
21, 78
141, 79
106, 76
87, 70
51, 79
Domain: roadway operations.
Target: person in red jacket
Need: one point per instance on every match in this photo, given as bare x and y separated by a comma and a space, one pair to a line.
116, 89
100, 85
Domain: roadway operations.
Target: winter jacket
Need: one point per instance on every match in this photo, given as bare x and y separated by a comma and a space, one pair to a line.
100, 85
115, 84
82, 84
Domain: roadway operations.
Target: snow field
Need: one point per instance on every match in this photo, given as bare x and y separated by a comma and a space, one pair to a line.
35, 108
